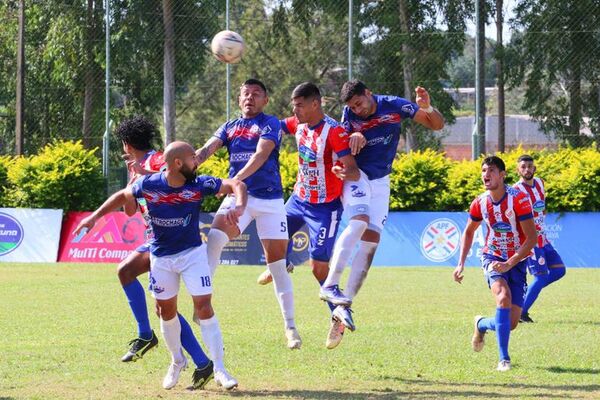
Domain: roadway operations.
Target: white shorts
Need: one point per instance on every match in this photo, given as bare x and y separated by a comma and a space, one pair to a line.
191, 265
370, 197
271, 220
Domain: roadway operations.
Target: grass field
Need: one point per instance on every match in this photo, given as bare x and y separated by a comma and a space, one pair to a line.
64, 327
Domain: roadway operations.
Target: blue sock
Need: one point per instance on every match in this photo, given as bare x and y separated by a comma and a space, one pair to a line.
533, 290
503, 331
190, 343
137, 302
556, 274
331, 306
486, 324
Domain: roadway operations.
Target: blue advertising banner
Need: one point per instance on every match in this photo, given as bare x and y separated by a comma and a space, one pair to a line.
433, 239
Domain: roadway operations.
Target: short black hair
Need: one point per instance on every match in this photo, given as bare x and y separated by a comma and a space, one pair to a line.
525, 157
352, 88
138, 132
494, 160
253, 81
308, 90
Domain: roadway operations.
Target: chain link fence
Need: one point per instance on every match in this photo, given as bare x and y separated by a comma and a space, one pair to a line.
551, 65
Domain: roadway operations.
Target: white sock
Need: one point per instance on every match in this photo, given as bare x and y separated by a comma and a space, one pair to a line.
211, 334
284, 291
171, 331
360, 266
216, 240
342, 250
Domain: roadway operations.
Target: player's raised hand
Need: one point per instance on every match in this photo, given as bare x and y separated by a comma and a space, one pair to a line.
87, 223
356, 142
339, 171
458, 273
422, 100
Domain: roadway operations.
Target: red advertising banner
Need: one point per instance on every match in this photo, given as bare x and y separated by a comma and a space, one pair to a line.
111, 239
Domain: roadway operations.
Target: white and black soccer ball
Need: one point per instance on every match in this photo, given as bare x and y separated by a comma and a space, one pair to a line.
228, 47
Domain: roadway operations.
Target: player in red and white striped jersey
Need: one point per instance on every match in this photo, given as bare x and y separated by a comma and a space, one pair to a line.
546, 265
510, 237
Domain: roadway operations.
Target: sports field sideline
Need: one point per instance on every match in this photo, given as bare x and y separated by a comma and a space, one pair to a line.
65, 326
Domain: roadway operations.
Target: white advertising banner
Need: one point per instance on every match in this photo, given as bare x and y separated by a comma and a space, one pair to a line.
29, 234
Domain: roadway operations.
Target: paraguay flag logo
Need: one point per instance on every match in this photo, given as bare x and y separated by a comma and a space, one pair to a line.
440, 240
11, 233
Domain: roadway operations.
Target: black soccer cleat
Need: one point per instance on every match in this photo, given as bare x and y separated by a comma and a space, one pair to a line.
525, 318
139, 347
202, 376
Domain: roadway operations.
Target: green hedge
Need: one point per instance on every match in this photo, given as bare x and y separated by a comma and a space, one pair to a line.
65, 175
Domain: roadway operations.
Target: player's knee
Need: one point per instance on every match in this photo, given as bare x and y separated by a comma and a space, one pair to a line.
320, 270
203, 310
514, 323
125, 272
503, 300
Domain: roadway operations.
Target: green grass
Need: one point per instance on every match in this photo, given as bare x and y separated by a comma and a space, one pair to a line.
64, 327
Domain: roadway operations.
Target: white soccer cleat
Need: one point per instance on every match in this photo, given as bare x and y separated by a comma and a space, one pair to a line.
335, 335
173, 373
503, 366
293, 338
222, 378
344, 315
478, 340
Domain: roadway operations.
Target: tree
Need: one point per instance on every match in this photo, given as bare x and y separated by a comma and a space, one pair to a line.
556, 57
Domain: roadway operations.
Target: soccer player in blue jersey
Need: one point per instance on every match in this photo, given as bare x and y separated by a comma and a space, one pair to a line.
136, 135
253, 141
173, 201
546, 266
374, 123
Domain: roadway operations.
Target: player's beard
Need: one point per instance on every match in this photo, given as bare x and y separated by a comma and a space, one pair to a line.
188, 173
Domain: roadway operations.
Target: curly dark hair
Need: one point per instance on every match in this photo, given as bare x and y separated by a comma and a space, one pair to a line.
138, 132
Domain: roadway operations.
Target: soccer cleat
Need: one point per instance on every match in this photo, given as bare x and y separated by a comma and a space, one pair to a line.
202, 376
525, 317
265, 278
344, 315
139, 347
335, 335
293, 338
478, 339
334, 295
222, 378
503, 366
173, 373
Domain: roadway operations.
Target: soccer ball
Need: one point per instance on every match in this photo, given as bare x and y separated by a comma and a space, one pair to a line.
228, 47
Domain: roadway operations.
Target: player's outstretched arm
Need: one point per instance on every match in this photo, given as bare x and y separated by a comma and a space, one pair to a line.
114, 202
239, 190
210, 147
349, 171
465, 245
427, 116
263, 150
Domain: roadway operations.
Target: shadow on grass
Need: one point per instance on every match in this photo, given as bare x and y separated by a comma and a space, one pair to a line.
376, 395
562, 370
584, 388
568, 322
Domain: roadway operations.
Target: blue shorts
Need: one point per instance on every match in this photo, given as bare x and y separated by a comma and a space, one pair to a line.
322, 221
544, 258
143, 248
516, 277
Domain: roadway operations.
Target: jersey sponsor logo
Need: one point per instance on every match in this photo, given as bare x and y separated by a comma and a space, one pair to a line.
502, 227
356, 192
171, 222
539, 206
240, 157
509, 213
307, 154
309, 172
440, 240
381, 139
244, 132
11, 233
185, 196
299, 241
